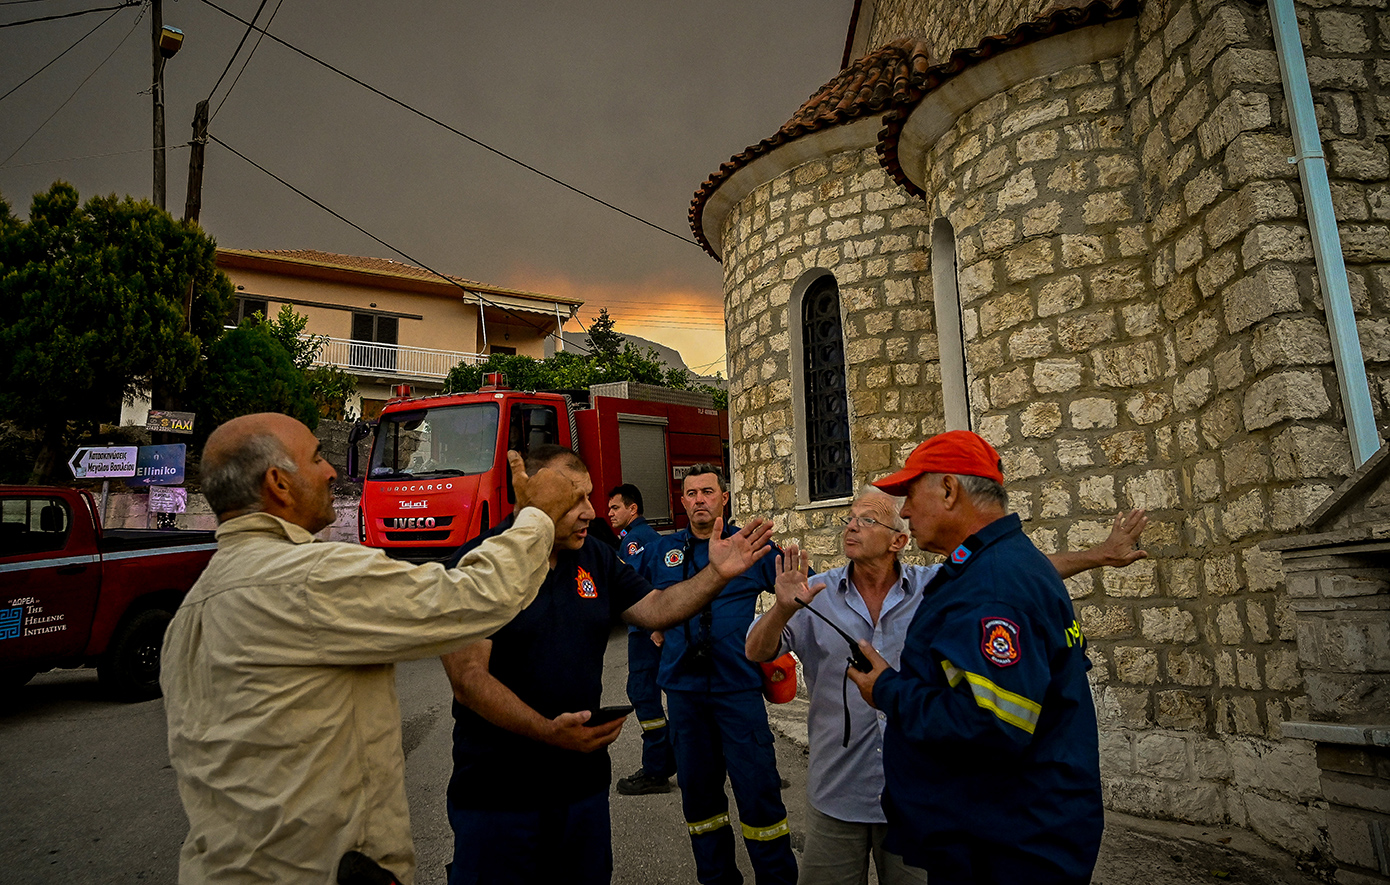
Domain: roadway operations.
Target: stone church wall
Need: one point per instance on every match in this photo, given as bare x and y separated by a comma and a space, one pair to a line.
1143, 327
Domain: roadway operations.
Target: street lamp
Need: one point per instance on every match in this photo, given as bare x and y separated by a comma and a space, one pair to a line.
164, 43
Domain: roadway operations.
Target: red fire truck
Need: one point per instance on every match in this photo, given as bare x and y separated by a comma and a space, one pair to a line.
437, 475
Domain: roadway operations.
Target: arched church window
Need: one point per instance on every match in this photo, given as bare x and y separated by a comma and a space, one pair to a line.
829, 473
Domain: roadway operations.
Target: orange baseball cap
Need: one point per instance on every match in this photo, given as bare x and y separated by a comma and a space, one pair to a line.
955, 451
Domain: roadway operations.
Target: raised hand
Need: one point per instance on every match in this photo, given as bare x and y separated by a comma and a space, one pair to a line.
1121, 547
549, 491
732, 556
791, 584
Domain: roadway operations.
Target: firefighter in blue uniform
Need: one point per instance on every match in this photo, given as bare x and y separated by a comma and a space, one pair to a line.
717, 714
990, 754
528, 799
636, 545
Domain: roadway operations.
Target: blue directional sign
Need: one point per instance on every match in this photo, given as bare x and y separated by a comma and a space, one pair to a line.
158, 466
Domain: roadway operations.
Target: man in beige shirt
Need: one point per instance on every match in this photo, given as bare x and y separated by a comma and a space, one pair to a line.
278, 677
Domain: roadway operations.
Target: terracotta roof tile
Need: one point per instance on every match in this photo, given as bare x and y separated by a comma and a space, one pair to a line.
891, 81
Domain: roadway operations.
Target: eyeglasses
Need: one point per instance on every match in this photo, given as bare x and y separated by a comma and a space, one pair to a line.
864, 521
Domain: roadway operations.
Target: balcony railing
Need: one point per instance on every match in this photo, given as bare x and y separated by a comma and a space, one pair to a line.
366, 358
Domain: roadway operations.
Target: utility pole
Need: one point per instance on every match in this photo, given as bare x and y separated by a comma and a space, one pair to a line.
193, 205
157, 90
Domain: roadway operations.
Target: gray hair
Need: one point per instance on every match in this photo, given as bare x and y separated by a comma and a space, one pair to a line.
984, 490
232, 482
898, 524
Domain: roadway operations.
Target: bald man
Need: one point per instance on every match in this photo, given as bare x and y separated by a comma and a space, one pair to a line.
278, 676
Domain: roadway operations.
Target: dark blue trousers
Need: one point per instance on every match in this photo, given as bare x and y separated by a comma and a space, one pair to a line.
569, 843
643, 658
719, 733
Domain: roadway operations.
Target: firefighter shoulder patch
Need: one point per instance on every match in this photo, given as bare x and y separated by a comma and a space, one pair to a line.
1000, 641
585, 585
632, 548
674, 558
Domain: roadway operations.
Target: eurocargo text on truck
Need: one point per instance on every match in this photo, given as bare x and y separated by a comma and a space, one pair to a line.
437, 475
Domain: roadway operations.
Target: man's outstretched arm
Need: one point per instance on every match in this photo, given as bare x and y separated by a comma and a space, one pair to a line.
1118, 550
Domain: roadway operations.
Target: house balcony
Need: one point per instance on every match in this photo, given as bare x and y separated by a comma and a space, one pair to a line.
391, 362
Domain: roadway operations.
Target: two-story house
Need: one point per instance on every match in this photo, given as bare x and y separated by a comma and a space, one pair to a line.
390, 323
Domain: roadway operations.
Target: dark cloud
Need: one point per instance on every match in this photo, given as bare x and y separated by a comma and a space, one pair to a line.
636, 101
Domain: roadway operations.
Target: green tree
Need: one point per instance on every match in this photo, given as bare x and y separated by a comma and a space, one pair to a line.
330, 386
92, 302
602, 338
611, 358
249, 370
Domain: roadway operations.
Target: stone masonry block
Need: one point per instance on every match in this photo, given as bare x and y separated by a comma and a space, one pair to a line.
1285, 768
1290, 825
1127, 366
1097, 494
1164, 756
1225, 28
1136, 666
1153, 490
1125, 707
1093, 412
1127, 447
1236, 113
1054, 376
1292, 341
1285, 396
1188, 668
1116, 753
1082, 333
1106, 622
1138, 581
1300, 452
1271, 242
1168, 624
1040, 420
1181, 710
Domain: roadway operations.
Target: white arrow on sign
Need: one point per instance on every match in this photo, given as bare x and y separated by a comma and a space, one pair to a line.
104, 462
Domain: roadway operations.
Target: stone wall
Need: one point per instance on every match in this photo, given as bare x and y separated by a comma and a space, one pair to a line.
840, 214
949, 25
1143, 328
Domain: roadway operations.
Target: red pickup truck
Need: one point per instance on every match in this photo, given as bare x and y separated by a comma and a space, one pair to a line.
73, 595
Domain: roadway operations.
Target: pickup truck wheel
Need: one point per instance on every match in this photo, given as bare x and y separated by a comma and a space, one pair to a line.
130, 667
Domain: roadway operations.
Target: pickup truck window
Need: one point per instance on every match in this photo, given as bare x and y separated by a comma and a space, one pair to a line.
33, 525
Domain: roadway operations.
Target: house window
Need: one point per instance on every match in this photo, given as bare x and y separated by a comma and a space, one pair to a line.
828, 467
374, 341
249, 307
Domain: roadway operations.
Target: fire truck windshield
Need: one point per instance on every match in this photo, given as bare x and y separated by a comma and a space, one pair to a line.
442, 441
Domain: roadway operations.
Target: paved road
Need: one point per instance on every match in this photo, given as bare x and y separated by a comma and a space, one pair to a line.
89, 798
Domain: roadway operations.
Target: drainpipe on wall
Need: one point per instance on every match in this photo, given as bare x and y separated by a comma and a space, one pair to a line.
1322, 226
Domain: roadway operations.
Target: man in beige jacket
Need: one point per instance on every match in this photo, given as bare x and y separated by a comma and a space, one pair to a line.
278, 677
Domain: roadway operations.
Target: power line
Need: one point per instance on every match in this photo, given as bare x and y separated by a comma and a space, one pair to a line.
360, 229
435, 120
61, 54
75, 91
236, 51
49, 18
245, 64
172, 147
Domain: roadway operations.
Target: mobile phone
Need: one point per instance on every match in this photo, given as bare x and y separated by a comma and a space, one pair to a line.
605, 715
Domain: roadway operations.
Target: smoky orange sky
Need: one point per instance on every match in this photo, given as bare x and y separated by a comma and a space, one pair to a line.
658, 308
634, 103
